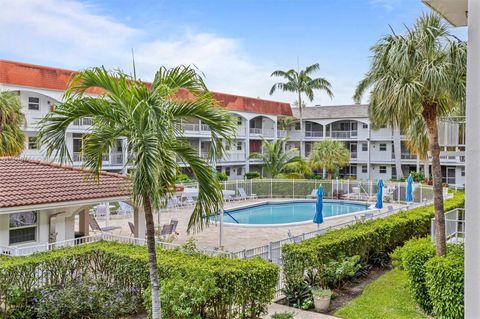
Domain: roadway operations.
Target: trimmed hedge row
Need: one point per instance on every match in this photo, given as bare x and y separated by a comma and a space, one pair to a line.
364, 239
238, 288
437, 283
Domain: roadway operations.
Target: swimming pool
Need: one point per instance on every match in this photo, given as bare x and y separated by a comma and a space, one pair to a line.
275, 213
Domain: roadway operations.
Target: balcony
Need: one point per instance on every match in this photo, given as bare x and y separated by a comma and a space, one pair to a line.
343, 134
313, 133
262, 132
113, 158
228, 157
353, 155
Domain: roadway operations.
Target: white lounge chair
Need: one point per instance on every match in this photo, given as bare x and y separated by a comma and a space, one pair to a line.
125, 209
243, 194
101, 211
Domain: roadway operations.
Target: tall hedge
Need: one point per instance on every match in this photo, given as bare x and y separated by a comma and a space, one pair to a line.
239, 288
364, 239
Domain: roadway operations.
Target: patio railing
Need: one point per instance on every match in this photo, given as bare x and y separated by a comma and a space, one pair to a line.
454, 226
30, 249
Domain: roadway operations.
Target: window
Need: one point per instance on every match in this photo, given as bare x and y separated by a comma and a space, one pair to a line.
462, 171
23, 227
364, 125
383, 147
227, 171
77, 147
34, 103
364, 147
32, 143
383, 170
239, 146
364, 169
239, 171
239, 121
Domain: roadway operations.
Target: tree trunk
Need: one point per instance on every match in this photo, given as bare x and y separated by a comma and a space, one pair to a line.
302, 146
152, 258
329, 175
426, 168
397, 148
430, 116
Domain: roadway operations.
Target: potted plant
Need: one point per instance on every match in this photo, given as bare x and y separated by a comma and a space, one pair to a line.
321, 299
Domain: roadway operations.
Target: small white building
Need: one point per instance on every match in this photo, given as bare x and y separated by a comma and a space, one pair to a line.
40, 202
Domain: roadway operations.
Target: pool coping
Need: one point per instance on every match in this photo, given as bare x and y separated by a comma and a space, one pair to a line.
301, 200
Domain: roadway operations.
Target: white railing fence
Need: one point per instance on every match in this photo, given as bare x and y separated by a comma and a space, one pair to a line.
28, 250
454, 226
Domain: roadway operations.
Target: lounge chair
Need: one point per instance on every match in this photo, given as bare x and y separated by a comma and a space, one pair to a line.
96, 227
173, 202
189, 200
132, 228
174, 223
125, 209
101, 211
166, 230
243, 194
313, 194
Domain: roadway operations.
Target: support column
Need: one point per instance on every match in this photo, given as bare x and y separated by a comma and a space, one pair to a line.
472, 201
84, 222
139, 222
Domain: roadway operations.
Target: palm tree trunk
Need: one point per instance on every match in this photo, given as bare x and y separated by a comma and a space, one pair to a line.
397, 148
430, 117
152, 258
302, 146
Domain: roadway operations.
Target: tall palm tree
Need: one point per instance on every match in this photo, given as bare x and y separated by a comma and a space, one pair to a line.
329, 155
275, 159
12, 138
149, 117
419, 74
301, 82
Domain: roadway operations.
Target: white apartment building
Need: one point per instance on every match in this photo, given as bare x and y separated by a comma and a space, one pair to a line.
372, 151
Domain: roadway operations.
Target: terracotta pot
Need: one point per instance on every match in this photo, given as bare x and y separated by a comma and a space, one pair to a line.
321, 303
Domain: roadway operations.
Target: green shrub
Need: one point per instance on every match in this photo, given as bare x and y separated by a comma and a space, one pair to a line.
182, 178
222, 177
252, 175
445, 282
363, 239
233, 288
336, 272
283, 315
412, 257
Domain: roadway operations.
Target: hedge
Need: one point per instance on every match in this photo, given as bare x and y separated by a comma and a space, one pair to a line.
437, 282
364, 239
241, 288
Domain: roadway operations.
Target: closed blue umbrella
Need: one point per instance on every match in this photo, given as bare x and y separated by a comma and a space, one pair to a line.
379, 203
409, 195
318, 218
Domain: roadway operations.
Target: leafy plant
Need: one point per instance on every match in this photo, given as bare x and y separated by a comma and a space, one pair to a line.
182, 178
222, 177
321, 293
336, 272
297, 294
252, 175
283, 315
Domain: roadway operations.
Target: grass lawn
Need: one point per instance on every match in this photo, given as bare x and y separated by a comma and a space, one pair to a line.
388, 297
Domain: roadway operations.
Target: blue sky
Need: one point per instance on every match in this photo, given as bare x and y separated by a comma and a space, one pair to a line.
237, 44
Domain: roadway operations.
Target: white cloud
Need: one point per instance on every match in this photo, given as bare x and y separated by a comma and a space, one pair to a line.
74, 35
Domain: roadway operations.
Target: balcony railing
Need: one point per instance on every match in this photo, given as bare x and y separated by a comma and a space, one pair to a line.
313, 133
198, 128
114, 158
282, 133
84, 121
343, 134
228, 156
454, 226
262, 131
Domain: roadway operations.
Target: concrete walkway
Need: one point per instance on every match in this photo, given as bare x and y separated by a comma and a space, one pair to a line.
299, 314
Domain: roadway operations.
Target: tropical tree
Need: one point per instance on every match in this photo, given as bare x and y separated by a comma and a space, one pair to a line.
12, 138
419, 74
329, 155
275, 159
301, 82
149, 116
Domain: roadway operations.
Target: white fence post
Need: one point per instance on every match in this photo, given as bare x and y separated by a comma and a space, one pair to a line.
399, 191
421, 193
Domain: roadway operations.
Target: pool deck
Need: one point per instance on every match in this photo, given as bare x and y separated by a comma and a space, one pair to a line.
235, 238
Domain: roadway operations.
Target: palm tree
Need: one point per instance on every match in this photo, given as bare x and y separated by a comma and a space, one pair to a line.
149, 117
301, 82
419, 74
275, 159
329, 155
12, 138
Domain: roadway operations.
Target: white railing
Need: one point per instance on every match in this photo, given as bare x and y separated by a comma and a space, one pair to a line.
30, 249
454, 226
282, 133
313, 133
342, 134
84, 121
198, 128
262, 131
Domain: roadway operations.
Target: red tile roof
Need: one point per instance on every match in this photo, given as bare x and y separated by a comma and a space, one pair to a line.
25, 182
30, 75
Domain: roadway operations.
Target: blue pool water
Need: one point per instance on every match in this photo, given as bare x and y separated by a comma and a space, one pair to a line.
292, 212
